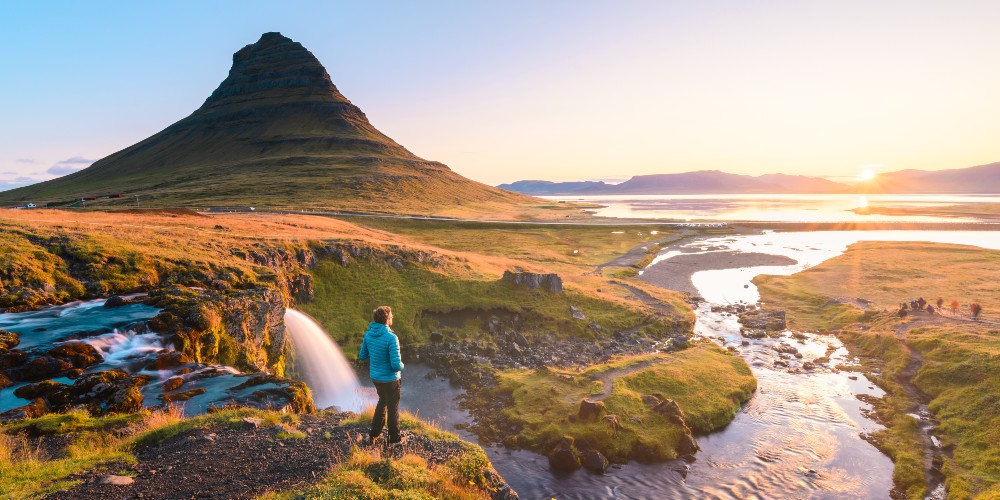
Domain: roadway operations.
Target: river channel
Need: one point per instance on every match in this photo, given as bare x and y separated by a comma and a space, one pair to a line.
800, 435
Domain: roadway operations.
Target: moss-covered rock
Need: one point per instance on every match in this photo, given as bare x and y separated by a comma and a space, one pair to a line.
8, 340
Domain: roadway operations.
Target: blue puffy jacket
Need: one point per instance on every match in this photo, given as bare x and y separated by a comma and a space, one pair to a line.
381, 346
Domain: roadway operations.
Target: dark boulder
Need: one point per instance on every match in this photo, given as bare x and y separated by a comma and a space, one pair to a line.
115, 301
4, 381
12, 358
79, 354
98, 382
39, 368
590, 410
38, 389
594, 461
564, 458
437, 336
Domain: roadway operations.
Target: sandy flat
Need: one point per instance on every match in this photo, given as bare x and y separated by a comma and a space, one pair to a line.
675, 273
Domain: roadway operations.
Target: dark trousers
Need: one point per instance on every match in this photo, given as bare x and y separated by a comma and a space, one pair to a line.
388, 402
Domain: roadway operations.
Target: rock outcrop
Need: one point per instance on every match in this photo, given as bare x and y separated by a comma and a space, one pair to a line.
550, 282
242, 328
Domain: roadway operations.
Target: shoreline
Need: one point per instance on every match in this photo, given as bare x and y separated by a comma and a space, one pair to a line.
675, 273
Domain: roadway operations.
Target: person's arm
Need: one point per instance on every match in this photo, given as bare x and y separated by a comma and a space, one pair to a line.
394, 359
363, 353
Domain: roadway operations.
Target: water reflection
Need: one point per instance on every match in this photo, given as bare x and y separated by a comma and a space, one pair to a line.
775, 207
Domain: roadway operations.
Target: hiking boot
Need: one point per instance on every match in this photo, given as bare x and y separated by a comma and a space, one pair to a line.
398, 440
369, 441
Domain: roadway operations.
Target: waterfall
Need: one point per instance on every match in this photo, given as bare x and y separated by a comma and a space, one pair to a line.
322, 366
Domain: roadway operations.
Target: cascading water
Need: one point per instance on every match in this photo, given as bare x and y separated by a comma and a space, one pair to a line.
323, 366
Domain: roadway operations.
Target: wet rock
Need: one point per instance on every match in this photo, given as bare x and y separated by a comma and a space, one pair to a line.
808, 365
171, 359
38, 389
289, 396
182, 396
679, 341
12, 358
4, 381
165, 322
590, 410
79, 354
8, 340
551, 282
784, 349
564, 457
35, 409
594, 461
98, 382
172, 383
780, 363
39, 368
763, 319
115, 301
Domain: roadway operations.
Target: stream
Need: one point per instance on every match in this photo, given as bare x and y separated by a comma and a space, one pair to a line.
799, 436
122, 338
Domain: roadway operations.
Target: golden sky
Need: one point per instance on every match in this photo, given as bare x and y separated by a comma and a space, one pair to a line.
558, 90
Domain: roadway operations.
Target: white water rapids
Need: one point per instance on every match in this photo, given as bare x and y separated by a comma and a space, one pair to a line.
323, 366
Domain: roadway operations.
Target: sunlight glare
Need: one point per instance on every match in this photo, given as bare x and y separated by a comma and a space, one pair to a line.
867, 174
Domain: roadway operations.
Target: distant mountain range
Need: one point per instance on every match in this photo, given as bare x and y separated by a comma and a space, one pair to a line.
983, 179
277, 134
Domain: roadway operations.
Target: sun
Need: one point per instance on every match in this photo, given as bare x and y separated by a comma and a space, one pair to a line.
867, 175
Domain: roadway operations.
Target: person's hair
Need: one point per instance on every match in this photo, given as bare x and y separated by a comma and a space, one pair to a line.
381, 314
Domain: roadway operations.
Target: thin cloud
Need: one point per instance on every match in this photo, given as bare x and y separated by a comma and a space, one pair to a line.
25, 160
17, 182
70, 165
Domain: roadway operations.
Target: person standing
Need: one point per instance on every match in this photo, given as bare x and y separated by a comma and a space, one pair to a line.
381, 347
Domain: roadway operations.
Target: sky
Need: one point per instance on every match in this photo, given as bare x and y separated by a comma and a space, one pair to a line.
555, 89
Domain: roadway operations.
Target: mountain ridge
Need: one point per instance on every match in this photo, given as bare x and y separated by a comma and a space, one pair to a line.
980, 179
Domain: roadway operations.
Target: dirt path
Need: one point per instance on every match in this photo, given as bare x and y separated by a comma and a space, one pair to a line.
608, 378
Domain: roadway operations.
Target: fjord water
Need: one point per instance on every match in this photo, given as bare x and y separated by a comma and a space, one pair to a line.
322, 366
775, 207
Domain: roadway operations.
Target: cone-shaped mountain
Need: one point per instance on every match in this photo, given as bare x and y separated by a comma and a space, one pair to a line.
276, 133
